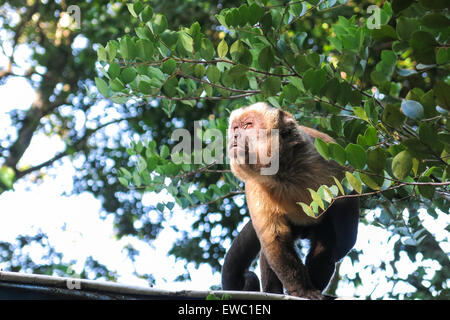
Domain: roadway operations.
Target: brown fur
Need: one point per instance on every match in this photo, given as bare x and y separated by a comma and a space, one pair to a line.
272, 200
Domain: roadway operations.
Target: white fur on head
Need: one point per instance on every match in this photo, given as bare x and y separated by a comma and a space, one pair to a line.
261, 107
271, 118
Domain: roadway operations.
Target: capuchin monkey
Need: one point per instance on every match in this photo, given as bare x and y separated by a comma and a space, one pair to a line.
278, 162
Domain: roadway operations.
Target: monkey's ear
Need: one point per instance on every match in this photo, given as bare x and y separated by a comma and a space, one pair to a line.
286, 123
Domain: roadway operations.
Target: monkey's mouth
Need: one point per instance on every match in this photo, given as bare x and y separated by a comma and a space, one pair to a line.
237, 151
233, 146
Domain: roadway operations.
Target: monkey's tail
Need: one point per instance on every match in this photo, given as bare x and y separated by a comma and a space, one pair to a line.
243, 250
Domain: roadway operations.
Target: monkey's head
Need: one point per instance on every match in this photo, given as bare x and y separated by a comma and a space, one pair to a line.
257, 134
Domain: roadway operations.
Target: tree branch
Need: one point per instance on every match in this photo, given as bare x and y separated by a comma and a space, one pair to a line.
82, 140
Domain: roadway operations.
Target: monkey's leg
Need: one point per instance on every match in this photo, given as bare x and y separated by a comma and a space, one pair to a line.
345, 219
331, 240
320, 260
269, 280
243, 250
283, 259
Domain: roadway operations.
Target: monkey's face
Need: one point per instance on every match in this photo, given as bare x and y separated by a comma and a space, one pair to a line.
251, 142
245, 133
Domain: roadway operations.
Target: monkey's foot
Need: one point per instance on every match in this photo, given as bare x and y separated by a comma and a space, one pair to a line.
308, 294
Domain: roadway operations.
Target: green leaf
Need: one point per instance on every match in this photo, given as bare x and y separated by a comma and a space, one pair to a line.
185, 43
435, 21
290, 92
416, 148
145, 87
332, 89
137, 179
313, 59
412, 109
442, 93
145, 49
256, 13
336, 124
384, 33
399, 5
300, 63
159, 23
237, 71
402, 165
222, 49
213, 74
165, 152
423, 45
376, 160
135, 8
7, 176
337, 153
113, 70
356, 156
101, 53
127, 48
207, 51
169, 66
170, 88
126, 173
244, 13
123, 181
266, 58
368, 181
111, 48
339, 185
102, 87
322, 148
345, 92
426, 191
325, 193
146, 14
240, 53
271, 86
128, 74
169, 37
393, 116
307, 209
199, 70
360, 113
370, 136
443, 56
429, 136
315, 196
266, 23
354, 182
314, 80
434, 4
196, 33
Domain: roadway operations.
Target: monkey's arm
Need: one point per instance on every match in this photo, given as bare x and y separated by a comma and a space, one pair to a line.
279, 251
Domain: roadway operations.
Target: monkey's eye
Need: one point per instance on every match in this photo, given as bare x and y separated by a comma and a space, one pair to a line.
247, 125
